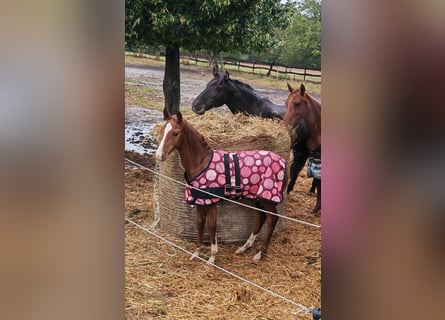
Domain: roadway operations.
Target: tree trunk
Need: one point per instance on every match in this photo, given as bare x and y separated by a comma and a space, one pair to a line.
214, 62
171, 83
270, 67
221, 60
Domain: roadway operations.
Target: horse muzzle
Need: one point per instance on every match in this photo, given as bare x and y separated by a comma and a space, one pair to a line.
199, 109
160, 156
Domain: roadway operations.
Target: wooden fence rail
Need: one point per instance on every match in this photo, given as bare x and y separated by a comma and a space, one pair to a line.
279, 72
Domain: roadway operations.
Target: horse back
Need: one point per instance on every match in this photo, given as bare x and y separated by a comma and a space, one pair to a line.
258, 174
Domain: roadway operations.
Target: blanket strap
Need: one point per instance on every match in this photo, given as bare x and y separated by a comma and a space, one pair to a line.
237, 176
208, 193
227, 174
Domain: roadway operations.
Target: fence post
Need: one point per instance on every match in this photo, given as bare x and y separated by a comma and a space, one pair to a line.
238, 65
304, 76
253, 67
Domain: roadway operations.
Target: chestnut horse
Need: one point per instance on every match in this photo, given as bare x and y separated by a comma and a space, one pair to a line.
301, 106
242, 98
262, 184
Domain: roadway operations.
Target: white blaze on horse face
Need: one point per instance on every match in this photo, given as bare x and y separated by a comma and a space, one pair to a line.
159, 151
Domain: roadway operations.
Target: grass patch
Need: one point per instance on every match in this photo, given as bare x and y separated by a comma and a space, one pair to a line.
144, 96
145, 61
131, 80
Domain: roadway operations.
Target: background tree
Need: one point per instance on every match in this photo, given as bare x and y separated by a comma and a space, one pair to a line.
214, 25
302, 43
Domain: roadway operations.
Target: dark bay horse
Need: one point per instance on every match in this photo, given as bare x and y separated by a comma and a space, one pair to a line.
301, 106
238, 96
261, 176
242, 98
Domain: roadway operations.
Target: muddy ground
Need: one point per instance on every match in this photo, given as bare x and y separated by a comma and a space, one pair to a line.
161, 281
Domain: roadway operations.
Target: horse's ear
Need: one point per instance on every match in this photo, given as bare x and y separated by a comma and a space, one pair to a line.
179, 116
166, 114
302, 90
215, 73
226, 77
289, 87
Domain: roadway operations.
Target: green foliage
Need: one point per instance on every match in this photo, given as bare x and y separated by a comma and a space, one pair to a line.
302, 43
214, 25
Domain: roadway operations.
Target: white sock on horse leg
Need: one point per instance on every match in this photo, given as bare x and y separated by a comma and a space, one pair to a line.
196, 253
258, 256
213, 252
247, 245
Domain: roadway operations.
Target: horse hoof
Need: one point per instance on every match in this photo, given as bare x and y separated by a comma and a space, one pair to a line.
257, 257
194, 256
240, 251
211, 260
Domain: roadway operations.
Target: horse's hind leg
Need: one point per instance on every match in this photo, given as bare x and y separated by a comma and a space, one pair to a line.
271, 223
260, 218
201, 220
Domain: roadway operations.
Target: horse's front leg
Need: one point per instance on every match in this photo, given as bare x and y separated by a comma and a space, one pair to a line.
211, 225
201, 220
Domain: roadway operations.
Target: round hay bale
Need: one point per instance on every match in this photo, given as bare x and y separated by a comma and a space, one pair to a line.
224, 132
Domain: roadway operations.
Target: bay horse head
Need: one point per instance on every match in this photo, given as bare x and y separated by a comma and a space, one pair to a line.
297, 105
171, 134
214, 95
302, 106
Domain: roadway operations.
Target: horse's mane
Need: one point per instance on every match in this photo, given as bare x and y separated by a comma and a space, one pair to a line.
314, 102
242, 84
246, 87
200, 137
313, 99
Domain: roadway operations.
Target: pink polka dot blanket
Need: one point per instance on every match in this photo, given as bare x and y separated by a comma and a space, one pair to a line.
246, 174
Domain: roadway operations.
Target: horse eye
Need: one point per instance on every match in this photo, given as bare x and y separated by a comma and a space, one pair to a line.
175, 134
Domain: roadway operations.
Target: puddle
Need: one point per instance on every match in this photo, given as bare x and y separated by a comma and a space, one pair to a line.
139, 123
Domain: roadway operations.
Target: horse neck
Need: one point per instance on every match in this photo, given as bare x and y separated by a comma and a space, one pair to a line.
194, 151
313, 123
243, 99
